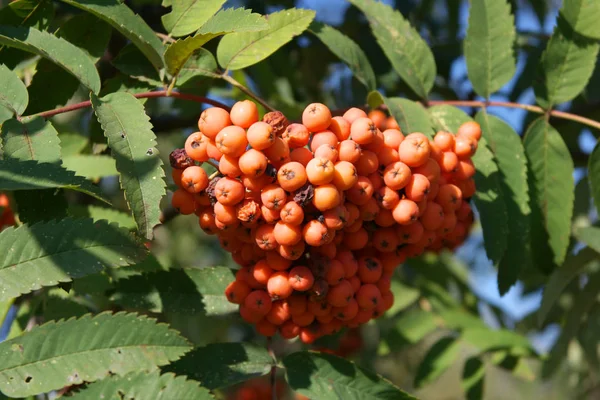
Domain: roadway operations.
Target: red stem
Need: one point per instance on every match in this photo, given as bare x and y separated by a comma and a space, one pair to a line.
145, 95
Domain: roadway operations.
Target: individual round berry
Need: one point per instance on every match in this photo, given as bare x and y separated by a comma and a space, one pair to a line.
410, 233
212, 151
349, 150
405, 212
326, 197
292, 213
183, 202
296, 136
327, 151
470, 129
361, 192
449, 162
279, 313
465, 147
368, 296
301, 155
261, 272
279, 286
449, 197
335, 274
378, 117
363, 131
414, 150
194, 179
396, 175
265, 328
433, 216
340, 295
253, 163
273, 197
316, 117
244, 114
232, 140
229, 166
301, 278
367, 163
444, 141
212, 121
353, 114
229, 191
265, 238
417, 188
392, 138
289, 330
260, 135
237, 291
287, 234
315, 233
291, 176
321, 138
259, 302
320, 171
369, 269
340, 127
276, 261
278, 153
196, 146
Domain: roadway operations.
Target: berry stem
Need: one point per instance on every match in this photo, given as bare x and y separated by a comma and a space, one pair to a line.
527, 107
247, 91
144, 95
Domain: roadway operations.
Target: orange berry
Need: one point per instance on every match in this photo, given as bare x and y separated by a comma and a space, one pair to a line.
206, 221
361, 192
244, 113
336, 273
301, 155
297, 303
340, 295
433, 216
278, 153
232, 140
444, 141
414, 150
304, 319
396, 175
449, 162
289, 330
212, 151
287, 234
237, 291
265, 328
259, 302
327, 151
336, 217
368, 296
391, 123
387, 156
315, 233
291, 176
229, 166
183, 202
430, 169
320, 171
387, 198
392, 138
196, 146
308, 336
448, 224
273, 197
301, 278
363, 131
292, 213
377, 180
316, 117
353, 114
377, 144
261, 272
369, 269
225, 214
194, 179
449, 197
176, 176
385, 240
347, 312
340, 127
378, 117
253, 163
369, 210
465, 147
250, 315
464, 170
384, 218
279, 313
256, 183
260, 135
276, 261
357, 240
212, 121
229, 191
411, 233
405, 212
278, 286
470, 129
417, 188
296, 136
349, 150
367, 163
321, 138
265, 238
326, 197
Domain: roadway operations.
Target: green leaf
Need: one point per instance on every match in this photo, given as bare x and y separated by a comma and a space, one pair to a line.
473, 378
490, 202
47, 253
485, 340
374, 99
583, 16
58, 354
143, 385
410, 328
241, 50
411, 116
66, 55
131, 61
187, 16
325, 376
584, 301
51, 86
36, 13
220, 365
187, 291
111, 215
509, 154
409, 54
489, 46
225, 21
133, 145
404, 296
13, 93
34, 140
130, 25
201, 64
565, 67
594, 175
57, 306
551, 188
447, 118
27, 175
589, 235
91, 167
72, 144
439, 357
348, 51
560, 279
41, 205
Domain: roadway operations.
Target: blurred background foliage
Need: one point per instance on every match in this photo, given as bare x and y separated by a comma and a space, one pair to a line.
448, 317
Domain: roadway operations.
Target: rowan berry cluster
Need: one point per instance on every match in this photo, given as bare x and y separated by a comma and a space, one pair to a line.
7, 218
318, 214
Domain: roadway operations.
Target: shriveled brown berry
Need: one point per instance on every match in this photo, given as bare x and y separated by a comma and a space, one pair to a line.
277, 120
179, 159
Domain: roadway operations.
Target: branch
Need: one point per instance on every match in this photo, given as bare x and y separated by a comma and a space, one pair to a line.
530, 108
145, 95
247, 91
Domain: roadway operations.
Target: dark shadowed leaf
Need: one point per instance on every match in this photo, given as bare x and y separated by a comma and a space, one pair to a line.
13, 93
